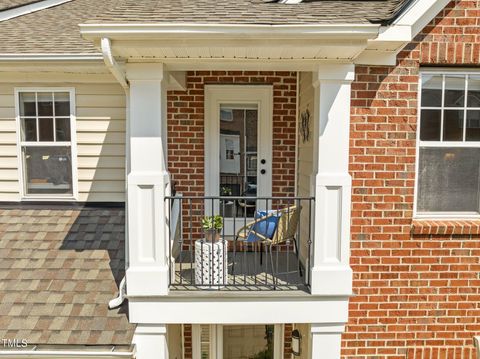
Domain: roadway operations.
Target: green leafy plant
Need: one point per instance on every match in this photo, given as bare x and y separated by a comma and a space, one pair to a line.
225, 191
212, 222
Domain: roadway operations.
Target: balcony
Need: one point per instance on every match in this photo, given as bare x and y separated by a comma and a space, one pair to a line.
264, 243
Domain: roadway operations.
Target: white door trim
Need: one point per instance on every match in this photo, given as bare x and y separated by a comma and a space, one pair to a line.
261, 95
216, 341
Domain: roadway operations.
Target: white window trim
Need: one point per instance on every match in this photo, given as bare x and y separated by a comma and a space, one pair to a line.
465, 144
73, 146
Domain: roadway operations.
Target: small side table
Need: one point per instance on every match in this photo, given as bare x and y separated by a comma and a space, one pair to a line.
211, 263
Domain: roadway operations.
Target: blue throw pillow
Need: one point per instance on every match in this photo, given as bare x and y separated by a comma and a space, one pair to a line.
266, 228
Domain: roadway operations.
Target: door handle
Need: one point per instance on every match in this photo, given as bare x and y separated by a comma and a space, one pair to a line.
263, 161
263, 172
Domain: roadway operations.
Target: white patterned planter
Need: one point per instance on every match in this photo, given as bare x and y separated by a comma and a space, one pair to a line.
211, 263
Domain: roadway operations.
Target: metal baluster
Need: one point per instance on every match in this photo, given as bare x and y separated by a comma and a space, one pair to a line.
191, 244
287, 279
234, 241
245, 244
170, 262
255, 246
265, 248
309, 242
224, 247
212, 250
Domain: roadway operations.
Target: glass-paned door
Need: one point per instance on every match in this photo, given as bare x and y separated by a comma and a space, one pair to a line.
248, 341
238, 156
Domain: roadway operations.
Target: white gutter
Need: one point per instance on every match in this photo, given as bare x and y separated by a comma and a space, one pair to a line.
51, 57
111, 64
222, 31
28, 9
65, 354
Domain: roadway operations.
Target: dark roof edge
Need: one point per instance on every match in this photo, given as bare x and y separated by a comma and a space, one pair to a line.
20, 5
60, 205
396, 14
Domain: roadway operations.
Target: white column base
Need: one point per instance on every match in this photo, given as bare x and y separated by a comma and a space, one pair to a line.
326, 340
332, 280
151, 342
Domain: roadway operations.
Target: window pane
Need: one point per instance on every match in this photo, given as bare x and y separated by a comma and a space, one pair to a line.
453, 125
62, 129
473, 91
45, 103
45, 130
473, 125
48, 170
448, 180
29, 129
62, 104
27, 104
454, 91
431, 90
430, 125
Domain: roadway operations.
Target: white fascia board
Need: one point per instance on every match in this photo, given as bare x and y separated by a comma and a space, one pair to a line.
393, 38
28, 9
50, 57
220, 31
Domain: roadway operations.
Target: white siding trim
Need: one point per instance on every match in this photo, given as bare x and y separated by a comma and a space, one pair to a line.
73, 144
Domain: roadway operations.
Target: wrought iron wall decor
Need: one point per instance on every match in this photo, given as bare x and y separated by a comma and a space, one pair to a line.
305, 125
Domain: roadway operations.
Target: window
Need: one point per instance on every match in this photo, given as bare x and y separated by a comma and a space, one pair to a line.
448, 175
45, 128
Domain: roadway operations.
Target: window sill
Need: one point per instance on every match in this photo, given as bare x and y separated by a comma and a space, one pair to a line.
445, 226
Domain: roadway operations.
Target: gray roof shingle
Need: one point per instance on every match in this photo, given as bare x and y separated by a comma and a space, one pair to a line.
58, 270
267, 12
55, 30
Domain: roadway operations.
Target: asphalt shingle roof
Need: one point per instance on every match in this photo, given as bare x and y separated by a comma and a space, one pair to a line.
52, 30
58, 270
55, 30
250, 11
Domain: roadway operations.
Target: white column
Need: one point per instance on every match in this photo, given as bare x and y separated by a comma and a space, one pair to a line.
151, 342
331, 182
326, 340
147, 181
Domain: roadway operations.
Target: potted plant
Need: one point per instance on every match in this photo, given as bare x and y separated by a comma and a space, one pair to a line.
212, 225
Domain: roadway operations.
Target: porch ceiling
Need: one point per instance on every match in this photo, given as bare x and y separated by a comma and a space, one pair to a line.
193, 46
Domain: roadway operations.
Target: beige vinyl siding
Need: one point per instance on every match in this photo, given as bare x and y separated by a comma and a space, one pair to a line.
100, 110
305, 154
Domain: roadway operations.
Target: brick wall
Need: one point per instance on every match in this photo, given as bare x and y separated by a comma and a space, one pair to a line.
417, 286
186, 127
186, 130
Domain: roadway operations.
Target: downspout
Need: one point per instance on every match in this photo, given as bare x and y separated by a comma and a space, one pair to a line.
119, 75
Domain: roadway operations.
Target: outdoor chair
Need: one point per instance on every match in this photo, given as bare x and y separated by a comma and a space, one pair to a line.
272, 228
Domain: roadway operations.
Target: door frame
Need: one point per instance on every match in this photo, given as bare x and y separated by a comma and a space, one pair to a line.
215, 95
216, 341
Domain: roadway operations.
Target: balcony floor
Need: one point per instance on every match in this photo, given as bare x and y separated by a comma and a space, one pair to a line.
248, 274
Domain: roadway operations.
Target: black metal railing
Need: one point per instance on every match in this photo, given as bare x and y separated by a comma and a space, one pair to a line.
265, 243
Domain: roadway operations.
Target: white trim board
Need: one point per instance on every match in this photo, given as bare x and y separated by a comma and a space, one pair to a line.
73, 145
451, 215
391, 39
28, 9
